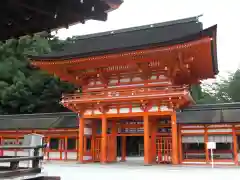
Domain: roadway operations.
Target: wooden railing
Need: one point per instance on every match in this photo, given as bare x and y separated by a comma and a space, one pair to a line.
131, 93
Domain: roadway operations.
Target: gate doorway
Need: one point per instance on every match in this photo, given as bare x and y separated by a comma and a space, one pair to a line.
164, 150
134, 146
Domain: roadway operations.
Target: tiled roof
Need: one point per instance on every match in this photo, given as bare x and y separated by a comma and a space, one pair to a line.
159, 34
39, 121
210, 113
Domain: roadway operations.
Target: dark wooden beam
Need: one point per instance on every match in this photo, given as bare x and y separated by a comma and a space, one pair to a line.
35, 9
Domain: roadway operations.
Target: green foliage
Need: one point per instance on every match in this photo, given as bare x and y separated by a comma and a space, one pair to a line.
225, 90
233, 87
24, 89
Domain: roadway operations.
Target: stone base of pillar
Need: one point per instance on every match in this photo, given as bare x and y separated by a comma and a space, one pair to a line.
112, 162
104, 163
78, 162
147, 164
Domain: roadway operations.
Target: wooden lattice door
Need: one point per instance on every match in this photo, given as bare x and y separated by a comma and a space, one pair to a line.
164, 150
97, 149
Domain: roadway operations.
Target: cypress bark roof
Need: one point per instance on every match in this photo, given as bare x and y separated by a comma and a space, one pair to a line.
38, 121
137, 38
159, 34
210, 113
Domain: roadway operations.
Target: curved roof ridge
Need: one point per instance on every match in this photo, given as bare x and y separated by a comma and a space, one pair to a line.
126, 40
138, 28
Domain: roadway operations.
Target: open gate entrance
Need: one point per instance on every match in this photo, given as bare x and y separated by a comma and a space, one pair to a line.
164, 150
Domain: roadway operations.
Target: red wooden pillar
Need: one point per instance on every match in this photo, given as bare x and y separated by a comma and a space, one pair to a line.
123, 148
1, 143
94, 132
104, 140
65, 148
180, 144
205, 142
235, 146
114, 141
174, 139
48, 147
154, 128
81, 140
147, 155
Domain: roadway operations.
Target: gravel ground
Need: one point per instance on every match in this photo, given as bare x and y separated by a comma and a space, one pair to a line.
133, 170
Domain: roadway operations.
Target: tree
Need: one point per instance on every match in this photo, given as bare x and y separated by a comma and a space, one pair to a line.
225, 90
233, 87
201, 95
23, 88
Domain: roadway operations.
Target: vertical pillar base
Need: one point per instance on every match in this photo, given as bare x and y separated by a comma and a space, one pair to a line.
113, 143
123, 149
93, 140
147, 164
81, 140
235, 146
153, 141
104, 140
147, 141
175, 159
205, 142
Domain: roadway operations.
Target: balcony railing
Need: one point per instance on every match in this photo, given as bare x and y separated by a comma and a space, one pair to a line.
127, 94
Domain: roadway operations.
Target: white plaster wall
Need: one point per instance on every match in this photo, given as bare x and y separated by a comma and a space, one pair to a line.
87, 131
221, 156
136, 109
9, 153
153, 109
112, 111
193, 131
71, 155
220, 130
54, 155
190, 127
18, 153
124, 110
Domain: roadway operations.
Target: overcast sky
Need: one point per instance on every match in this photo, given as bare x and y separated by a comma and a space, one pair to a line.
226, 14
